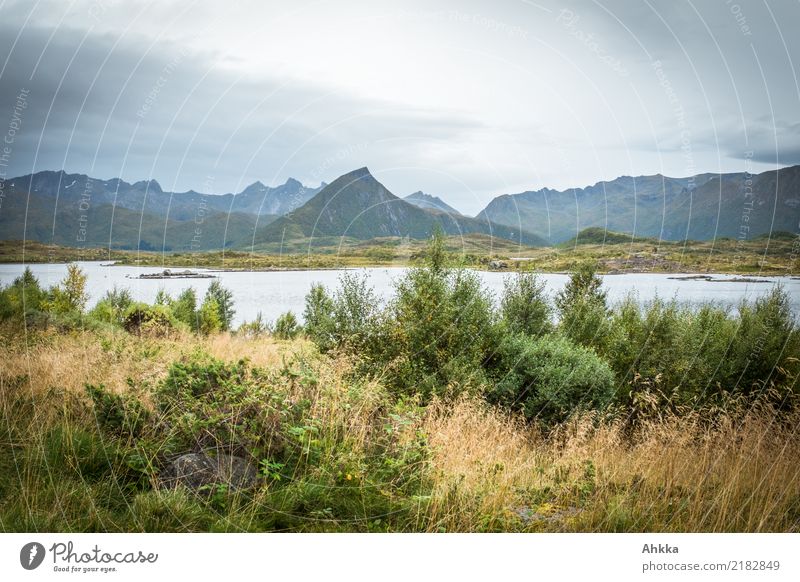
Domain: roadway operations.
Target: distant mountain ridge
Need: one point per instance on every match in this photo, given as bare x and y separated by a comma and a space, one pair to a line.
429, 202
356, 205
76, 210
702, 207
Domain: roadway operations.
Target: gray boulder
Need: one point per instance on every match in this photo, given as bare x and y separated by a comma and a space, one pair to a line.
198, 470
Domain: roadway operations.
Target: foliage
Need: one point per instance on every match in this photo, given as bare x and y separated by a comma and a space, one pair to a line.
112, 307
23, 296
141, 318
524, 307
208, 317
224, 300
184, 308
549, 378
286, 326
582, 310
70, 296
318, 317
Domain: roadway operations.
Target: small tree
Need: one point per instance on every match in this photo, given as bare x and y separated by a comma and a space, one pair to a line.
208, 319
318, 316
224, 300
24, 295
582, 308
184, 308
69, 296
286, 326
524, 307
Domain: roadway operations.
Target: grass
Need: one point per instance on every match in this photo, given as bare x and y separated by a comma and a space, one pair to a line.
356, 459
616, 253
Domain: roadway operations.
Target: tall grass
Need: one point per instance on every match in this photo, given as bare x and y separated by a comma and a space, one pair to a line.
357, 459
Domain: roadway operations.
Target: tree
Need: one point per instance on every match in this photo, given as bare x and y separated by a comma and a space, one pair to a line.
184, 308
208, 319
224, 301
318, 317
582, 308
524, 307
286, 326
70, 295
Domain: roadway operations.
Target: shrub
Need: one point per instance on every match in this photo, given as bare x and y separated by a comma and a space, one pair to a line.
440, 327
210, 404
115, 413
208, 318
549, 378
524, 307
112, 307
318, 317
184, 308
69, 296
141, 318
224, 300
255, 328
23, 296
583, 313
286, 326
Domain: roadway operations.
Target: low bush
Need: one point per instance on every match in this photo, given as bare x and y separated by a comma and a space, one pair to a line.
286, 326
549, 378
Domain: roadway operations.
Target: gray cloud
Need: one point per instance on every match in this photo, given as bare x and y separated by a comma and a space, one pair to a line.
466, 101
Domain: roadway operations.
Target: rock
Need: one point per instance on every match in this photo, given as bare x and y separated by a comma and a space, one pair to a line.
497, 265
197, 470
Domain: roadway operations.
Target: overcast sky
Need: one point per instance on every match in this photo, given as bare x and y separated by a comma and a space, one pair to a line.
462, 99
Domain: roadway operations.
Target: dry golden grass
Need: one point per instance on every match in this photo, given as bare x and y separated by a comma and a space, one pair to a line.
675, 474
70, 361
483, 470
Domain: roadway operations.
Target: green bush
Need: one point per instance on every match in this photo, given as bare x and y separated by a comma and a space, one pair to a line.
208, 318
439, 329
524, 307
210, 404
69, 296
286, 326
118, 414
184, 308
548, 378
224, 300
112, 307
141, 318
23, 296
318, 317
582, 309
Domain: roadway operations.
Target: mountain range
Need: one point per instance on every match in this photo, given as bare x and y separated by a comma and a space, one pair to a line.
702, 207
77, 210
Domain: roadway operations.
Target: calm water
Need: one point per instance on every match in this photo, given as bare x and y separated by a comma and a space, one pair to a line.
273, 293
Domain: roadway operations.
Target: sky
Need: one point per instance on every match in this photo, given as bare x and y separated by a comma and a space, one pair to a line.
465, 100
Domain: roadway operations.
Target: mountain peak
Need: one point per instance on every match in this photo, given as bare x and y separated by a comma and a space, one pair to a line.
359, 173
254, 188
291, 182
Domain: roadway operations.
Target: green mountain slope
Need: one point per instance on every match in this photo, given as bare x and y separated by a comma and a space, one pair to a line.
357, 206
701, 208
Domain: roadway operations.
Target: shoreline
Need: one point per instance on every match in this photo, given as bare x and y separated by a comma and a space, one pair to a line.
687, 275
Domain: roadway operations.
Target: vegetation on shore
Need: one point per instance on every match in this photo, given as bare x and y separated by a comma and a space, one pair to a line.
611, 252
436, 412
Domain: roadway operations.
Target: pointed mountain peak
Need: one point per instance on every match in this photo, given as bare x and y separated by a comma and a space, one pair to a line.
359, 173
292, 183
254, 188
150, 185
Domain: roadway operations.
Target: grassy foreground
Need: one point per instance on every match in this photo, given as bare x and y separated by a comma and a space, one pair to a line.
340, 454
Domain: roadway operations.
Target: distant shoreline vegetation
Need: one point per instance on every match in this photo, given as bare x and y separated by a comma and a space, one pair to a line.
776, 254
